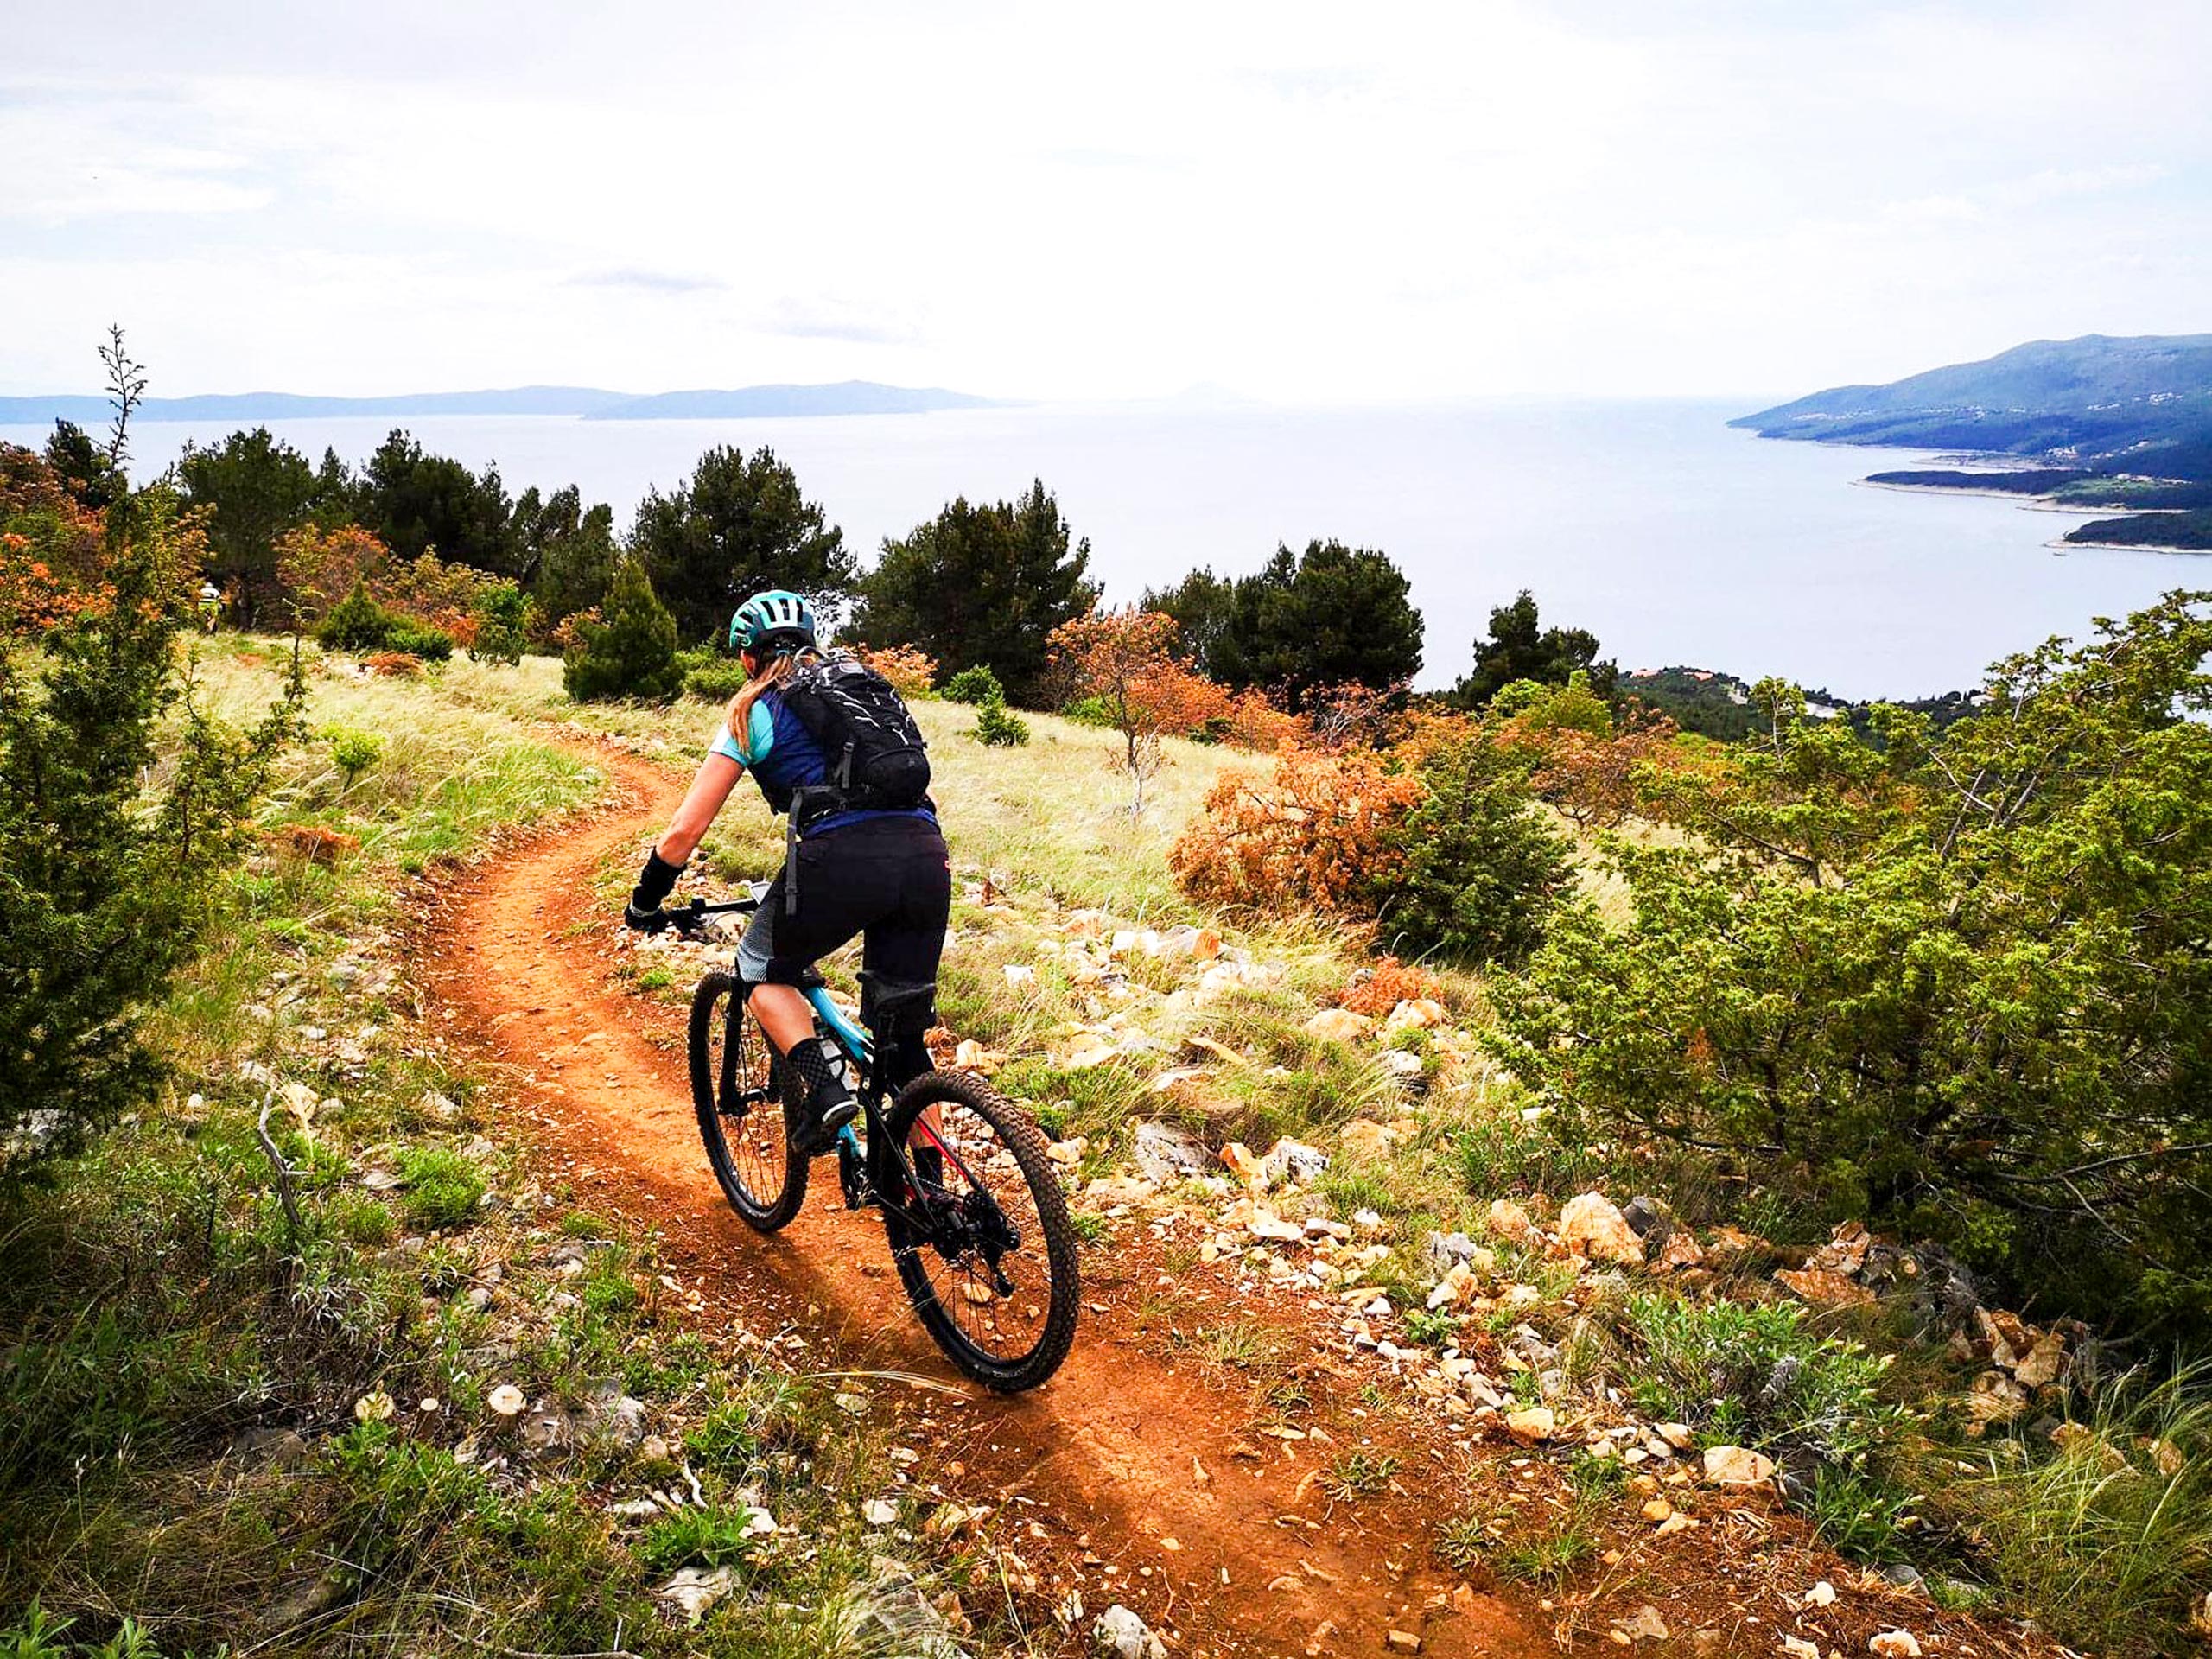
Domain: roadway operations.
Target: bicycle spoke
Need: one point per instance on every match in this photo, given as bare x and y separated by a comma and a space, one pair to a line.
750, 1107
984, 1209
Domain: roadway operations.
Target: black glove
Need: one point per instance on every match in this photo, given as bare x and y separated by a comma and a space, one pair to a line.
655, 882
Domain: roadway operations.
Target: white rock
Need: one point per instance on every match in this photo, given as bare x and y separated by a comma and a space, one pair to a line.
1295, 1161
1418, 1013
1894, 1645
1530, 1424
1119, 1634
1736, 1465
693, 1590
1339, 1025
1646, 1626
1821, 1594
879, 1512
1591, 1225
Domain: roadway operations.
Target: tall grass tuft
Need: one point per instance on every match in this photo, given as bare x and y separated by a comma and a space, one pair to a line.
2106, 1535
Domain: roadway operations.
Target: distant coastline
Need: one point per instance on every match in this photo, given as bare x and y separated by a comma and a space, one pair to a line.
2120, 428
579, 403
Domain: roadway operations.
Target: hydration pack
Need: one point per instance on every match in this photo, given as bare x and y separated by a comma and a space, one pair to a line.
875, 754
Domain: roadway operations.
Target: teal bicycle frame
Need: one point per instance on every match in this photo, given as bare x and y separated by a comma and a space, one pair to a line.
850, 1037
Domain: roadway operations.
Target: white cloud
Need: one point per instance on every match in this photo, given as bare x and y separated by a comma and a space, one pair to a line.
1426, 200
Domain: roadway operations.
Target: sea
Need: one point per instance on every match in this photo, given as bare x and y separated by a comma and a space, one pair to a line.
1675, 538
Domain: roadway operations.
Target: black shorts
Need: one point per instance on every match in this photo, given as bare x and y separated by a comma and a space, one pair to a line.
888, 879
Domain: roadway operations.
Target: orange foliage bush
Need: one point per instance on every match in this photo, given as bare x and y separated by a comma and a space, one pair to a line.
314, 843
1353, 715
1253, 722
569, 634
1597, 779
397, 663
911, 671
1375, 991
1317, 831
1125, 662
434, 592
53, 550
318, 567
33, 599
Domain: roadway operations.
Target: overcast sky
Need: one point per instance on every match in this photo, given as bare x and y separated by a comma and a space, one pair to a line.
1333, 202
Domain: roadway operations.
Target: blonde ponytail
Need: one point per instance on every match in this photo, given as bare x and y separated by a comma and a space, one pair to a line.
773, 672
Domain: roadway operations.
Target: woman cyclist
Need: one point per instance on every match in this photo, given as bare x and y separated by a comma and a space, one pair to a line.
880, 873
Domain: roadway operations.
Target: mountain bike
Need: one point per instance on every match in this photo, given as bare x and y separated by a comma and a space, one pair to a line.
978, 1226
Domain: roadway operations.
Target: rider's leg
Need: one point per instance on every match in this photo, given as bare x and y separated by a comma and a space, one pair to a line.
775, 951
907, 945
784, 1012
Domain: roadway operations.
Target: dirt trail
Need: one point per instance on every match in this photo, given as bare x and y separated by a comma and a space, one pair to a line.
1143, 1475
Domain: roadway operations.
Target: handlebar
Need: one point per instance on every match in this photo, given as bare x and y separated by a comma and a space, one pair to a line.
690, 918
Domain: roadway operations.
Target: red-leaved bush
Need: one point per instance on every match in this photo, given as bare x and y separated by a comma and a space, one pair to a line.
1316, 831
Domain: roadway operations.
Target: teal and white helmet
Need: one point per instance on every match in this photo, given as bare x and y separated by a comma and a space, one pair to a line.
774, 621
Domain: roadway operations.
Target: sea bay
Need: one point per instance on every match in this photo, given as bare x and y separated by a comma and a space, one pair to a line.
1673, 538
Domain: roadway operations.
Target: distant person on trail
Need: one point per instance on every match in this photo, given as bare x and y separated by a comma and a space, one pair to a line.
834, 749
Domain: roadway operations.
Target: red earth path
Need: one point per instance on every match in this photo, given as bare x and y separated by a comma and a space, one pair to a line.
1143, 1475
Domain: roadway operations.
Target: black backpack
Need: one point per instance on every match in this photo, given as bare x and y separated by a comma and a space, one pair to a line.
877, 759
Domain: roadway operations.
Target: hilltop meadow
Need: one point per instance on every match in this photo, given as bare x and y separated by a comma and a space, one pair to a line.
1546, 1178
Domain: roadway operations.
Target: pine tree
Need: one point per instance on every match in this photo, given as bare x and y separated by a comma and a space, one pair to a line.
741, 525
981, 585
1332, 615
108, 886
631, 651
1518, 650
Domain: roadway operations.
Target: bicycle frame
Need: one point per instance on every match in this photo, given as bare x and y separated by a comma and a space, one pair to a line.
870, 1177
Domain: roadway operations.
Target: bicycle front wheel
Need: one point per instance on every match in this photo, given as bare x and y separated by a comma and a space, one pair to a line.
743, 1092
985, 1247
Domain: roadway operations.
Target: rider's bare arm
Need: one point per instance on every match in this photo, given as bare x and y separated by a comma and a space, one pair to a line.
718, 775
709, 791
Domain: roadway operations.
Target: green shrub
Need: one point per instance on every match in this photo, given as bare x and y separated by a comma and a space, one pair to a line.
1573, 707
703, 1537
356, 623
977, 685
1087, 711
711, 676
631, 651
504, 616
444, 1188
109, 864
413, 639
353, 753
1953, 982
1755, 1375
1479, 872
999, 726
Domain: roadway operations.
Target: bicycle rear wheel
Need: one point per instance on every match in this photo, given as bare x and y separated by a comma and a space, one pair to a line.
990, 1260
743, 1093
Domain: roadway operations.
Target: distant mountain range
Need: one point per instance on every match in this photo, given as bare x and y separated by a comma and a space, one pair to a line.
2140, 405
2120, 423
582, 403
